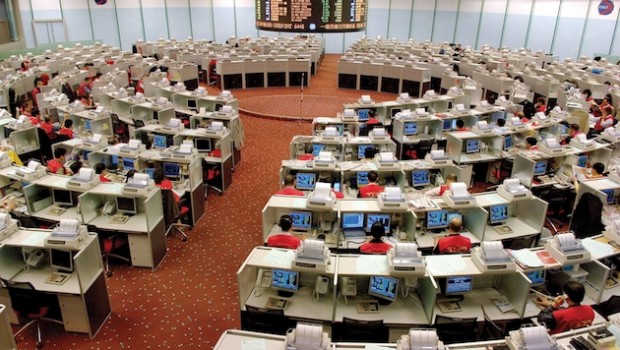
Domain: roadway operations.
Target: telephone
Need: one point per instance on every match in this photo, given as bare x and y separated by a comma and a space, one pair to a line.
326, 225
264, 278
32, 257
408, 282
109, 208
349, 286
322, 285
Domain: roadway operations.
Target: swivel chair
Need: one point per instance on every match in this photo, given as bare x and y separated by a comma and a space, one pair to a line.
352, 330
456, 330
173, 212
29, 304
264, 320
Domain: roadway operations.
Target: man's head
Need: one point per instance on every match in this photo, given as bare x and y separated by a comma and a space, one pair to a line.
501, 122
373, 176
100, 169
530, 142
451, 178
369, 153
540, 101
598, 169
377, 230
455, 225
285, 222
574, 291
308, 149
59, 153
574, 127
68, 123
460, 123
289, 180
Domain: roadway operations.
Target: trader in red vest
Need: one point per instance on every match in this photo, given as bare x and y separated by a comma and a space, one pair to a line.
560, 319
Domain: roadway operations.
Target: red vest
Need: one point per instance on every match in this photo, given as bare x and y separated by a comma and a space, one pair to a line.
443, 189
283, 241
54, 166
371, 191
574, 317
454, 244
375, 248
289, 191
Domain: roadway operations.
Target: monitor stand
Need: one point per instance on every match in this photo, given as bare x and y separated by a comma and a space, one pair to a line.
285, 294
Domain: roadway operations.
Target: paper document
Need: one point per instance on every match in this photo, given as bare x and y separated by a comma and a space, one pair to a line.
526, 258
596, 248
253, 344
279, 258
445, 265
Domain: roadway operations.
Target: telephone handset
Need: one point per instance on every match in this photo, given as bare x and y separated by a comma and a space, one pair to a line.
322, 285
264, 278
109, 208
349, 286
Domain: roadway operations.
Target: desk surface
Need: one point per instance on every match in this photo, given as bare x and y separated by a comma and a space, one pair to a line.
403, 311
136, 223
234, 339
519, 229
300, 305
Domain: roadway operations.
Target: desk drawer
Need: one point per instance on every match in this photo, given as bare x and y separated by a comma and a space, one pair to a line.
74, 314
141, 250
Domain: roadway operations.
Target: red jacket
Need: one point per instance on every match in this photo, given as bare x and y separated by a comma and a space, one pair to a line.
283, 240
103, 178
572, 318
454, 244
48, 128
371, 190
306, 157
54, 166
374, 247
67, 132
290, 191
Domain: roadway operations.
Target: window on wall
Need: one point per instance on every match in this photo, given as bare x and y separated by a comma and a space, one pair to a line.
8, 28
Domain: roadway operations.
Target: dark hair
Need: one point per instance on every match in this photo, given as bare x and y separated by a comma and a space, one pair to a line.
285, 222
541, 100
289, 180
370, 152
519, 78
377, 230
35, 112
460, 123
575, 291
587, 92
37, 80
531, 140
599, 167
501, 122
607, 97
68, 123
99, 167
574, 126
372, 176
59, 152
130, 175
158, 175
23, 64
76, 166
308, 148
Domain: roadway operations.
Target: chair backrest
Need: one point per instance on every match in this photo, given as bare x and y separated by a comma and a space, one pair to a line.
138, 123
25, 299
264, 320
171, 209
519, 243
491, 330
456, 330
363, 331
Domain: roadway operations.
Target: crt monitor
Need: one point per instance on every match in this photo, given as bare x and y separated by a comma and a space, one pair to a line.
410, 128
305, 181
610, 195
540, 168
447, 124
352, 220
128, 164
508, 142
382, 218
362, 178
62, 260
62, 197
361, 150
582, 161
285, 280
436, 219
159, 141
498, 213
383, 287
420, 178
536, 277
202, 145
363, 114
472, 146
302, 220
317, 148
87, 124
126, 205
171, 169
191, 104
458, 284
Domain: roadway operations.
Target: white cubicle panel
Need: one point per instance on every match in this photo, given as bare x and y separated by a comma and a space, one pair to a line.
596, 281
7, 341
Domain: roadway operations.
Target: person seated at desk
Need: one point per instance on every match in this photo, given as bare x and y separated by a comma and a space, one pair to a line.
162, 182
454, 243
531, 144
372, 121
439, 191
284, 239
500, 126
574, 316
87, 101
606, 120
524, 119
376, 244
34, 116
572, 133
36, 90
540, 105
597, 171
102, 172
67, 129
369, 154
460, 125
56, 165
289, 187
371, 190
130, 175
308, 149
47, 126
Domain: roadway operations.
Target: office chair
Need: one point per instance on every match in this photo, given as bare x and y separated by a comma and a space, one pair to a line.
264, 320
456, 330
173, 212
423, 147
519, 243
211, 177
120, 128
352, 330
137, 123
29, 304
491, 330
609, 307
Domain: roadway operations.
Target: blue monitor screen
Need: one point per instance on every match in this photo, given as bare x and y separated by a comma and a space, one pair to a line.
498, 213
362, 114
114, 160
317, 148
582, 161
447, 124
128, 164
420, 177
564, 129
171, 169
508, 142
382, 218
472, 146
361, 150
536, 276
411, 128
383, 287
285, 280
302, 220
150, 172
159, 141
340, 128
540, 168
610, 195
362, 178
458, 284
437, 219
305, 181
87, 124
353, 220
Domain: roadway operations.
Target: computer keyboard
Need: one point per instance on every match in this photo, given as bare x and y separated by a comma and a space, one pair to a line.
58, 278
56, 211
119, 219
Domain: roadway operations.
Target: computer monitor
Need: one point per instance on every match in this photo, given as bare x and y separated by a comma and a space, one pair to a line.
536, 277
317, 148
582, 161
362, 178
62, 260
540, 168
563, 129
352, 220
361, 150
305, 181
363, 114
610, 195
202, 145
447, 124
498, 213
192, 104
382, 218
472, 146
395, 111
302, 220
436, 219
150, 172
508, 142
114, 160
62, 197
285, 280
410, 128
126, 205
383, 287
171, 169
159, 141
129, 164
85, 154
458, 284
420, 178
87, 124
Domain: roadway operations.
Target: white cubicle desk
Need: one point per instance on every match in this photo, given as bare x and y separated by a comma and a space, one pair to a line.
234, 339
83, 298
7, 341
51, 181
456, 151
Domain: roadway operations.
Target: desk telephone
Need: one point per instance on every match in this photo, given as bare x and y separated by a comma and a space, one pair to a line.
264, 278
349, 286
109, 208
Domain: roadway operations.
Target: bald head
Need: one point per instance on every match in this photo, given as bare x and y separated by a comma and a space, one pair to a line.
455, 225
